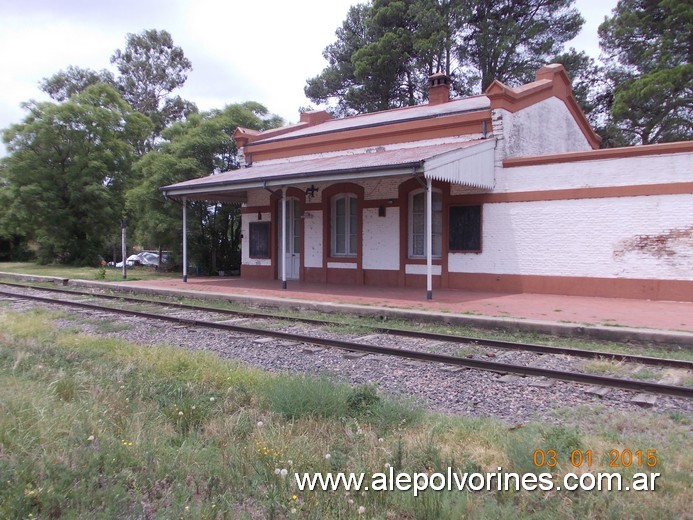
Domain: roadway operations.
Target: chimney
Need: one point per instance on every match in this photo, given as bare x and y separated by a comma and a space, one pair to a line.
315, 117
438, 89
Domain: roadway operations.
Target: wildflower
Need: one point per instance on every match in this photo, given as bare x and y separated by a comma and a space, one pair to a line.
260, 424
193, 407
284, 472
387, 464
180, 413
293, 510
328, 456
380, 439
90, 438
290, 462
294, 497
351, 501
362, 510
212, 399
277, 471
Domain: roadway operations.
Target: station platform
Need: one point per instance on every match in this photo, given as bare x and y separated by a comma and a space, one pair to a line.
617, 319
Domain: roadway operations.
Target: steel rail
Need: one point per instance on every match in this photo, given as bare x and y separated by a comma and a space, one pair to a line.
434, 336
628, 384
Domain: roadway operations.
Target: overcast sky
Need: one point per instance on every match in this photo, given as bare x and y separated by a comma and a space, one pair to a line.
259, 50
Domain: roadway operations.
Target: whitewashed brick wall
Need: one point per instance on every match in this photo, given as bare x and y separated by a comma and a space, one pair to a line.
381, 239
647, 237
312, 227
543, 128
626, 171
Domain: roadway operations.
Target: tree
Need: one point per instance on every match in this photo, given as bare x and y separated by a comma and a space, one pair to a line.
64, 177
151, 67
200, 146
509, 40
385, 50
648, 50
62, 85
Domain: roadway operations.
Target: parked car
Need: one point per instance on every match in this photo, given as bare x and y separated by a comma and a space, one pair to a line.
143, 258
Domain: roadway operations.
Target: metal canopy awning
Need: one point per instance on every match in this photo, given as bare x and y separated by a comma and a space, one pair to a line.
469, 166
468, 163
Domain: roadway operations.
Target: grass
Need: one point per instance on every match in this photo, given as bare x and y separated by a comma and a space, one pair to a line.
111, 274
95, 427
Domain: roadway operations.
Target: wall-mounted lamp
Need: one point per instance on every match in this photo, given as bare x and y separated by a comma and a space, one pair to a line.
381, 211
259, 215
310, 192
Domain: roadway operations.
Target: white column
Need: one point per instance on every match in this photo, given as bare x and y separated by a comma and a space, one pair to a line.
283, 251
185, 239
429, 239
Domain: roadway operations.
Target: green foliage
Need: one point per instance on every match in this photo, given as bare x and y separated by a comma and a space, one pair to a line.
91, 427
64, 84
63, 180
200, 146
648, 50
151, 67
386, 49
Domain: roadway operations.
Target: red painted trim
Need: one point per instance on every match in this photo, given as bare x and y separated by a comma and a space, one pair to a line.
364, 137
680, 188
598, 155
256, 272
551, 81
675, 290
405, 189
327, 194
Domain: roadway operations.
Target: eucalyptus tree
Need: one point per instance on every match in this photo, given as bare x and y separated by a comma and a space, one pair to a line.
150, 68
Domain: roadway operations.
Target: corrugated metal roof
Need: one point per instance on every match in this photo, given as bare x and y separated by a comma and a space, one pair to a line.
455, 106
302, 170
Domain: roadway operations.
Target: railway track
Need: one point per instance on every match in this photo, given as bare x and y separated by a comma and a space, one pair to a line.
355, 346
433, 336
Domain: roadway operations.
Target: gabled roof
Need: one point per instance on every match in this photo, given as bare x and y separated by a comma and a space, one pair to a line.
397, 115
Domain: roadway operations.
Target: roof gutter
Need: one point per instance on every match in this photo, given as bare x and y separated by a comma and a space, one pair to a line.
297, 178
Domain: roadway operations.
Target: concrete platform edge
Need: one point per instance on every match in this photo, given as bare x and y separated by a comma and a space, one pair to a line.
605, 333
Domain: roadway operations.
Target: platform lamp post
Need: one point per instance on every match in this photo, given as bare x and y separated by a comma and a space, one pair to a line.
123, 245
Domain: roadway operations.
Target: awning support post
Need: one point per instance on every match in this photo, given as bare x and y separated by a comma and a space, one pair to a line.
185, 240
429, 239
283, 251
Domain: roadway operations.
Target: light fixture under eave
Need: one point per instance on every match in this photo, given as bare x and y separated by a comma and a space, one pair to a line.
310, 192
259, 215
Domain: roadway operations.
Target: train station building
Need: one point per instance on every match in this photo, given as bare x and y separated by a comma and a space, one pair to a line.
505, 192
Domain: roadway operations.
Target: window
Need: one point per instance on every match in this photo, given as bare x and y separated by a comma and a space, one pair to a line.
344, 225
259, 239
465, 228
417, 224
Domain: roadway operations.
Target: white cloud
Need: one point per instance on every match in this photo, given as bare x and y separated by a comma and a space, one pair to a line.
260, 50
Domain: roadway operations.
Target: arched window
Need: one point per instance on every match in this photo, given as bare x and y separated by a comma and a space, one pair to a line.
417, 224
344, 224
